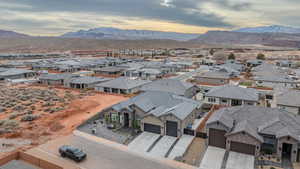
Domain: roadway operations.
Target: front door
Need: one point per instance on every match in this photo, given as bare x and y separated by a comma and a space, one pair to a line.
126, 120
286, 150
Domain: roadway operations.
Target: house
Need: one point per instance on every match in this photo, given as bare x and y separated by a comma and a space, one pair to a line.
255, 130
276, 81
86, 82
121, 85
56, 79
112, 70
230, 95
254, 62
172, 86
213, 78
289, 101
286, 63
157, 112
268, 75
12, 73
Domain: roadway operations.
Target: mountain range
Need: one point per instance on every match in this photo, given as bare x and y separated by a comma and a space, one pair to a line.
128, 34
11, 34
269, 29
267, 35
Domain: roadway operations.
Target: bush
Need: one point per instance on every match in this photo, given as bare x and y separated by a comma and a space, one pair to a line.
9, 124
29, 117
231, 56
261, 56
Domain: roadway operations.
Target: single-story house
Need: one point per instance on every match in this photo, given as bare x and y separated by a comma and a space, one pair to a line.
12, 73
276, 81
231, 95
56, 79
172, 86
121, 85
86, 82
289, 101
111, 70
157, 112
255, 130
213, 78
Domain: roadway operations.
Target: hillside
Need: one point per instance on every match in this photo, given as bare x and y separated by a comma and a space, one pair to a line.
268, 39
270, 29
11, 34
41, 44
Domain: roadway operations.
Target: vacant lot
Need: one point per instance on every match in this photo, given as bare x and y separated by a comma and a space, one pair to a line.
39, 114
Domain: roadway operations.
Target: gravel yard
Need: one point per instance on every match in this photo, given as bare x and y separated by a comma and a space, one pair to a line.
40, 114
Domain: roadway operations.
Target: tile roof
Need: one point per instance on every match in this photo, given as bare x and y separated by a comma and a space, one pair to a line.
168, 85
234, 92
123, 83
289, 98
262, 120
160, 104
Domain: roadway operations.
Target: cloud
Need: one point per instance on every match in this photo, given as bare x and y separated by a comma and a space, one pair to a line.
171, 11
43, 16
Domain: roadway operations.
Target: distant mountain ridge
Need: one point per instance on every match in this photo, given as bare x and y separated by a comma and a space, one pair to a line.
130, 34
269, 39
269, 29
11, 34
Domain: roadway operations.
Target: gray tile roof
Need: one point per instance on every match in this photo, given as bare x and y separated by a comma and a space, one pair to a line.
123, 83
57, 76
13, 71
160, 104
246, 126
262, 120
234, 92
88, 80
168, 85
215, 74
289, 98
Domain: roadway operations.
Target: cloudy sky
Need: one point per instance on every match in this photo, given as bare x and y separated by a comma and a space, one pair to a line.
55, 17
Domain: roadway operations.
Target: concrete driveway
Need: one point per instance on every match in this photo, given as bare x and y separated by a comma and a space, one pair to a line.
240, 161
213, 158
101, 153
162, 146
181, 146
143, 142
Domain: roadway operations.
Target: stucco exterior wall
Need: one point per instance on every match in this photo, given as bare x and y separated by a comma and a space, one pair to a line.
243, 138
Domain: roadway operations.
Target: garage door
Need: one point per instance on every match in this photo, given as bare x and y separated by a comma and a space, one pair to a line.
242, 148
171, 128
217, 138
152, 128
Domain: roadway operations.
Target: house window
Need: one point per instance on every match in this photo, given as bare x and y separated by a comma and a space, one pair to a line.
114, 117
212, 100
224, 101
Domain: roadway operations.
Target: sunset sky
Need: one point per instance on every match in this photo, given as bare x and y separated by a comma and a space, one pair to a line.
55, 17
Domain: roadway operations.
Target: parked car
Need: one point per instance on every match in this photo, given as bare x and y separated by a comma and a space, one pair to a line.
72, 153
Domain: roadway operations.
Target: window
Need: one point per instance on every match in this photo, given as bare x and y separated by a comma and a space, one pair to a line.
114, 117
212, 100
224, 101
269, 97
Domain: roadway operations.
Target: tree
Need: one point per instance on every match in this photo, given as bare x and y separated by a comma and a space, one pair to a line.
212, 52
231, 56
261, 56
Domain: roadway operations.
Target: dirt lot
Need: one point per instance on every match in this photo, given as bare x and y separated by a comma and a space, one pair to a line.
40, 114
195, 153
